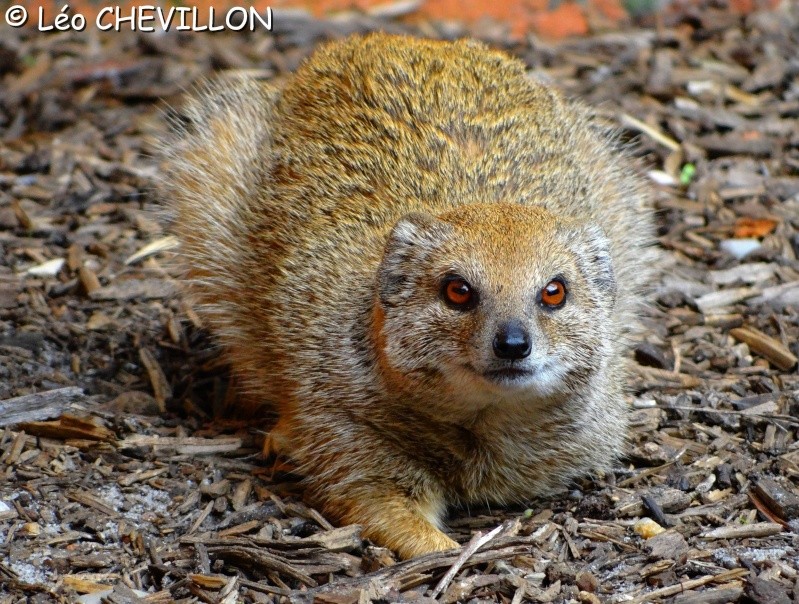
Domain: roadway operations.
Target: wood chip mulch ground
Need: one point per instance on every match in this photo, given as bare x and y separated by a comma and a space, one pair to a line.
120, 479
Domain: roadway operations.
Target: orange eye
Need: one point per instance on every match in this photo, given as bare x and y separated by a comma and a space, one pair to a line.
458, 293
553, 294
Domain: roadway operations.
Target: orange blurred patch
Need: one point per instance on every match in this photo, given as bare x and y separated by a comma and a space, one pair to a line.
568, 19
754, 227
611, 9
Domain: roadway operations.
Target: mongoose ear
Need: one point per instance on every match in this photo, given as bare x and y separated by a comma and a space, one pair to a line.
592, 248
414, 237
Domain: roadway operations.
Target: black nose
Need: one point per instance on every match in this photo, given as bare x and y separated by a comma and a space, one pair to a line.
512, 342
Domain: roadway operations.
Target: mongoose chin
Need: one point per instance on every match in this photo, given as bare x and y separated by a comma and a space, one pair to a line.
427, 262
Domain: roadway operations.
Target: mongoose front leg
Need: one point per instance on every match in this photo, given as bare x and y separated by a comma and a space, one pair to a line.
389, 517
395, 521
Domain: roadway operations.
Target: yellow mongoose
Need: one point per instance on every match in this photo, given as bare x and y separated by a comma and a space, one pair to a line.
428, 262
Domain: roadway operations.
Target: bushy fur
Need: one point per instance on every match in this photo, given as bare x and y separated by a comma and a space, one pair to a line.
317, 222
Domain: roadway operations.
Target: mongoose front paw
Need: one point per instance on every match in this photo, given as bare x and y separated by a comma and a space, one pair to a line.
410, 538
400, 524
421, 544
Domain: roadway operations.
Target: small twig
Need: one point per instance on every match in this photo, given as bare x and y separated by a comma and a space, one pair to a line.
650, 471
686, 585
675, 349
772, 349
203, 515
763, 416
764, 509
744, 531
476, 543
657, 135
625, 547
170, 242
161, 388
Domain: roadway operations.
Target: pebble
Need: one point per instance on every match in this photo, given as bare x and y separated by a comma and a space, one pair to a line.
647, 528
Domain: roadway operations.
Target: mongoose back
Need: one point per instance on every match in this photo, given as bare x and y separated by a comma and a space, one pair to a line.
427, 262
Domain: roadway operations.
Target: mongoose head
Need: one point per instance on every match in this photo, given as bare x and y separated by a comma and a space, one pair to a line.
495, 302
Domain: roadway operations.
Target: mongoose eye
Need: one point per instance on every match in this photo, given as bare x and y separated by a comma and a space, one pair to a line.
554, 294
458, 294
